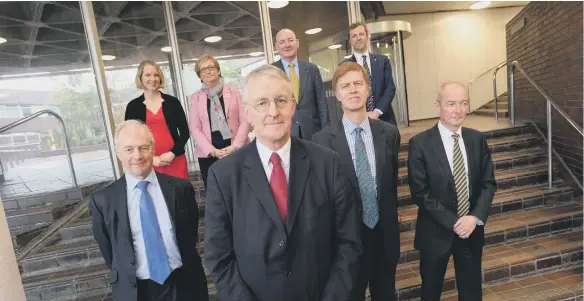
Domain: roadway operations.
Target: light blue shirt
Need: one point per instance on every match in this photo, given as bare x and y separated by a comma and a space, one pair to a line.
367, 137
287, 68
163, 216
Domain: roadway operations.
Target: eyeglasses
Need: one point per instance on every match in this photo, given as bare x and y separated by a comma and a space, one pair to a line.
207, 69
263, 105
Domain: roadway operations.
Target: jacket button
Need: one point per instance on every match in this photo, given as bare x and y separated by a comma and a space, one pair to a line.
133, 262
288, 273
281, 244
133, 285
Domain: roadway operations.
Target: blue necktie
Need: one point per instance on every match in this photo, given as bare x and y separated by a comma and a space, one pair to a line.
153, 243
366, 184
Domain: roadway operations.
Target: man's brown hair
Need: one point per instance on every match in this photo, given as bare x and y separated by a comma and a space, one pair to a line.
357, 24
347, 67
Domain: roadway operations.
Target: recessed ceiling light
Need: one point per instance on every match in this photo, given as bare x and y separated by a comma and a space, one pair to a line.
213, 39
256, 53
480, 4
313, 31
166, 49
277, 4
2, 40
108, 57
335, 46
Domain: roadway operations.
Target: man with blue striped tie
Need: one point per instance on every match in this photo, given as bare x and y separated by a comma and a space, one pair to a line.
146, 226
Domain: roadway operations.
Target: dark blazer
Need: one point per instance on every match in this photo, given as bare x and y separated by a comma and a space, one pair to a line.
174, 115
432, 188
383, 86
386, 140
312, 110
254, 256
111, 228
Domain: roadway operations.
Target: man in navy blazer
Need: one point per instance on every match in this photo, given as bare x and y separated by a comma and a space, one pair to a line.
379, 69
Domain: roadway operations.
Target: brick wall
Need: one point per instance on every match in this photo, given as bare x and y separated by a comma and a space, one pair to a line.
549, 48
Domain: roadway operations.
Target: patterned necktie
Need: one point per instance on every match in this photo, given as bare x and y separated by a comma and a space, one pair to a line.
279, 185
294, 81
460, 178
370, 104
366, 184
154, 245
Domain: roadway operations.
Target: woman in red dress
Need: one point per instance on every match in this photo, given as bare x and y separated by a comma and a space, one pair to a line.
165, 117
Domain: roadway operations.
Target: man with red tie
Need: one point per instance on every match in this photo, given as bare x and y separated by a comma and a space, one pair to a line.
281, 222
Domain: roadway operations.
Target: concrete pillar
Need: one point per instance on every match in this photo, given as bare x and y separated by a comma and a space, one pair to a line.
10, 283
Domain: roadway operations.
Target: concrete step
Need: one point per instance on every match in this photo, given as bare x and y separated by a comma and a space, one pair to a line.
501, 104
503, 261
503, 113
34, 217
41, 199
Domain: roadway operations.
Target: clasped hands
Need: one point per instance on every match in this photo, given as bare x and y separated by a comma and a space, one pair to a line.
164, 159
222, 153
465, 226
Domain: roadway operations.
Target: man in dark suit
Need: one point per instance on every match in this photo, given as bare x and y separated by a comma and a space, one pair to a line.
280, 219
450, 174
311, 110
379, 69
369, 151
146, 225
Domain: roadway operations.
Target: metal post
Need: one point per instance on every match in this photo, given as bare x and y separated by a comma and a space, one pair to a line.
469, 88
549, 137
354, 10
511, 90
176, 64
266, 31
100, 80
401, 87
495, 98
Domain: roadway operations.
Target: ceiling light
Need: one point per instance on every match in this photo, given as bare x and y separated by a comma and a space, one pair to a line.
313, 31
213, 39
348, 56
2, 40
277, 4
166, 49
335, 46
108, 57
256, 53
480, 4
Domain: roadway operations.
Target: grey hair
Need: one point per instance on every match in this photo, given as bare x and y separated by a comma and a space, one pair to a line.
447, 85
264, 70
139, 123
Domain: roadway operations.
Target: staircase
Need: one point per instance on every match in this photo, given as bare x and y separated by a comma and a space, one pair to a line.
489, 108
533, 244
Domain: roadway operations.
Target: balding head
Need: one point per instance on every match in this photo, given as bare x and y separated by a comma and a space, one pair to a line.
287, 44
452, 105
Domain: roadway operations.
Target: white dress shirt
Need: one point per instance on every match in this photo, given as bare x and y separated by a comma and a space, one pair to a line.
163, 216
359, 59
367, 137
284, 153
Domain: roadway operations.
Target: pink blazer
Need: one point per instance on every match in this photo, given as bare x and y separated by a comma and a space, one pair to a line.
199, 120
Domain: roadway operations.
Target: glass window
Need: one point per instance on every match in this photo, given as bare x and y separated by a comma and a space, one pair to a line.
19, 139
26, 110
33, 138
13, 111
5, 140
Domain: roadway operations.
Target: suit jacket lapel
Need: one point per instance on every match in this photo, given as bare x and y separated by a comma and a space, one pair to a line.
254, 173
299, 168
168, 192
379, 139
441, 157
375, 69
303, 77
121, 199
470, 154
341, 145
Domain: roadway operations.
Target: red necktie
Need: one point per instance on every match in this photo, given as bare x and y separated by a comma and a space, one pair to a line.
279, 185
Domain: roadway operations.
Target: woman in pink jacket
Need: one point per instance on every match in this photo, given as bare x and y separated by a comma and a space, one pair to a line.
217, 121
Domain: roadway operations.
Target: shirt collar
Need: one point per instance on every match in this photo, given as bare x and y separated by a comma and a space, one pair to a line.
286, 62
132, 181
265, 153
359, 55
446, 133
350, 127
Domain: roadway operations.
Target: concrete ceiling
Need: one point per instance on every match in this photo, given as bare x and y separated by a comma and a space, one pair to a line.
413, 7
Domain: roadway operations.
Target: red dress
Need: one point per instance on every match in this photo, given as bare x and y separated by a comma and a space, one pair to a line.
163, 143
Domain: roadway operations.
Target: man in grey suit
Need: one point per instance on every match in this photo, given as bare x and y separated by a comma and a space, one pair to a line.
146, 225
311, 106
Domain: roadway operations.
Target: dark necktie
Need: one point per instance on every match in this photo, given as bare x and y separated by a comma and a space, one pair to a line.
279, 185
459, 173
370, 103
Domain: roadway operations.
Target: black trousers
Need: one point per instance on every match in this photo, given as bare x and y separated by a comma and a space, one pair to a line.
376, 270
149, 290
467, 268
204, 163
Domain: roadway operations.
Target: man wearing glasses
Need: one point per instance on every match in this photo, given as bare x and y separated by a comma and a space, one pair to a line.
281, 221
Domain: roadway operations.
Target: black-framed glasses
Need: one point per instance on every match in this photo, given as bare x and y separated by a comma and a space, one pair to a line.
210, 68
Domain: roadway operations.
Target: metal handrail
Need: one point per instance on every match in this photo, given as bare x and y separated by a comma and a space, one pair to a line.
549, 104
67, 148
495, 97
486, 72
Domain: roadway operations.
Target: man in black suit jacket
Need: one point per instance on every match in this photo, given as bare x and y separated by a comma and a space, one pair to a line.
311, 111
280, 219
450, 174
381, 140
382, 86
146, 225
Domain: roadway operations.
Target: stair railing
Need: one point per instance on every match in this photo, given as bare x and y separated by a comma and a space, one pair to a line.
495, 97
550, 102
481, 75
67, 147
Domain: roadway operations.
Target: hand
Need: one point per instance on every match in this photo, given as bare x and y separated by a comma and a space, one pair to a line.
216, 153
373, 115
465, 226
167, 158
226, 152
157, 162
